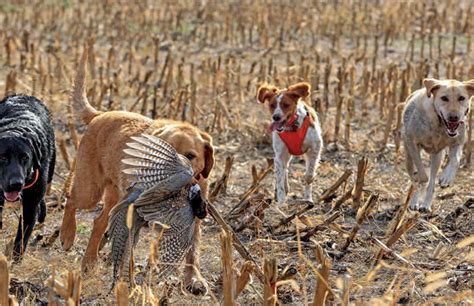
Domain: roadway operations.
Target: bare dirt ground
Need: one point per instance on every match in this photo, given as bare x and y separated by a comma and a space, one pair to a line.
202, 61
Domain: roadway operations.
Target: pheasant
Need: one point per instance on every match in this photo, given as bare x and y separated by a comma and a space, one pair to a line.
162, 192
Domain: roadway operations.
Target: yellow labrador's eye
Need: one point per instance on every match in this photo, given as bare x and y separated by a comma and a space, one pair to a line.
461, 98
190, 156
445, 99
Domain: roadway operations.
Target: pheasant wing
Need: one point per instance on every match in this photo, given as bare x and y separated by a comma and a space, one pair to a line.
152, 160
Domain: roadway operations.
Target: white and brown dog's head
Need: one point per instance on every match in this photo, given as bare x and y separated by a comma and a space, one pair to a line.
451, 101
282, 103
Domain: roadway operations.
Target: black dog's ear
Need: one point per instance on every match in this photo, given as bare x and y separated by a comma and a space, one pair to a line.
36, 152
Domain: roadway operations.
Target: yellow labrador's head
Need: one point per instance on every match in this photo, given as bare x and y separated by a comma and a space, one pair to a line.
451, 101
192, 143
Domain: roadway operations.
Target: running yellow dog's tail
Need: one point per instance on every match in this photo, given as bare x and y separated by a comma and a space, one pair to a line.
79, 100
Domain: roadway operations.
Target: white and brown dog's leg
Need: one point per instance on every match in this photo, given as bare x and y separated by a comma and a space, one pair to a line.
448, 174
312, 161
282, 159
435, 162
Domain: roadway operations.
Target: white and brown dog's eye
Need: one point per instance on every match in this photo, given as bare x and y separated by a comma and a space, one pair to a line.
461, 98
445, 99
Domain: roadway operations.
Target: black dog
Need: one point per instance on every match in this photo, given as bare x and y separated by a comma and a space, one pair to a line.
27, 158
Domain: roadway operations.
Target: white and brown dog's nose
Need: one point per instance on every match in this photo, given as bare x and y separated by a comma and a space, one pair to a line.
276, 117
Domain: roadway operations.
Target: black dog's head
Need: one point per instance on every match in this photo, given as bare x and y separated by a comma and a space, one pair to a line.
17, 161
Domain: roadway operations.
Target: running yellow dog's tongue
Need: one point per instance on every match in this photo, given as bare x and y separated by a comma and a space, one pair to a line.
11, 196
452, 126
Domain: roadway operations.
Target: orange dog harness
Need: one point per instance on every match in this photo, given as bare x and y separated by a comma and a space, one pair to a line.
294, 139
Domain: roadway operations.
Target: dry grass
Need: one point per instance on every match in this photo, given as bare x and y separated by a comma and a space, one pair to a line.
201, 61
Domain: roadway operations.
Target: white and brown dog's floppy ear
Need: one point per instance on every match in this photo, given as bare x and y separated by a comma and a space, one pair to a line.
469, 87
431, 85
301, 90
266, 92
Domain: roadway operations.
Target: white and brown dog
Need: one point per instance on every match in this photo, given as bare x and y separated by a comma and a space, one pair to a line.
433, 119
295, 131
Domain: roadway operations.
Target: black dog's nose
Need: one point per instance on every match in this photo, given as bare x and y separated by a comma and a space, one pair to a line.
276, 117
15, 186
453, 117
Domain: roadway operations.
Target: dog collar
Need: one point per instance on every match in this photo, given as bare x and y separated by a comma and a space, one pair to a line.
34, 181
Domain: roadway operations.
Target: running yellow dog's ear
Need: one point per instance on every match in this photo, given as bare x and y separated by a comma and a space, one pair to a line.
266, 92
302, 90
431, 85
470, 87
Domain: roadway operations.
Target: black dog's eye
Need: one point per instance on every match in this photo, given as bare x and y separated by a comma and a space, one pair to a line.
445, 99
461, 98
24, 157
190, 156
3, 158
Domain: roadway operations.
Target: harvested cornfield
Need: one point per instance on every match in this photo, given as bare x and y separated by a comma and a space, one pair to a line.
202, 62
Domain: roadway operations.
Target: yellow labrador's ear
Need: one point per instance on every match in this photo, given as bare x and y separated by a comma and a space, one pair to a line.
266, 92
431, 85
470, 87
301, 90
208, 155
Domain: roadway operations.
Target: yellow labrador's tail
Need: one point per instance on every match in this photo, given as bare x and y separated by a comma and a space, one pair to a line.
80, 103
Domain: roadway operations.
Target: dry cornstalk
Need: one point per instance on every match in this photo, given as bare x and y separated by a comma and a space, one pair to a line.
227, 268
71, 126
321, 291
251, 190
397, 130
270, 297
222, 182
347, 121
237, 243
339, 102
4, 281
327, 194
400, 214
361, 215
359, 185
70, 292
405, 227
64, 153
346, 196
311, 232
243, 278
385, 248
